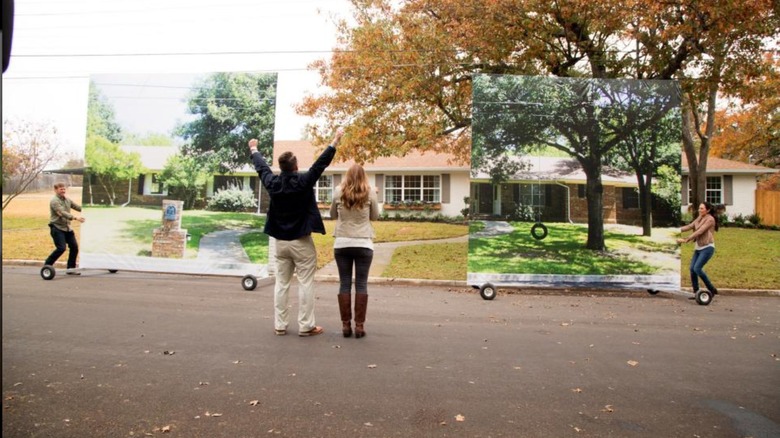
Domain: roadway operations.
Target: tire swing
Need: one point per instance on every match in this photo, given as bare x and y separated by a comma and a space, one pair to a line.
539, 230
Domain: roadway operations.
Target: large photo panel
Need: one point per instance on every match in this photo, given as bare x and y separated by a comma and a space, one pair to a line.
575, 183
169, 185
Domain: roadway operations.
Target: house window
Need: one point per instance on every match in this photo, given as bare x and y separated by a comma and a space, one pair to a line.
581, 191
630, 198
156, 187
531, 194
401, 188
324, 189
714, 191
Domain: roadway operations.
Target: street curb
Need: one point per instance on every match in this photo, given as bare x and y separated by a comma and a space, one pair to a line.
447, 283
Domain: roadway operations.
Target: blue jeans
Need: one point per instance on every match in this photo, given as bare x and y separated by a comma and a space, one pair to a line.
61, 239
699, 259
361, 258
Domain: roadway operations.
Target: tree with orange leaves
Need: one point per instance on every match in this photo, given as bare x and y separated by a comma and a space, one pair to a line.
401, 78
750, 130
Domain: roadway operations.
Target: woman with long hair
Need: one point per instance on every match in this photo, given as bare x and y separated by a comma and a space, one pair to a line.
704, 227
354, 207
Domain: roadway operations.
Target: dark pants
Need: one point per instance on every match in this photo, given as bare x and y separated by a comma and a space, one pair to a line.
699, 259
359, 257
61, 239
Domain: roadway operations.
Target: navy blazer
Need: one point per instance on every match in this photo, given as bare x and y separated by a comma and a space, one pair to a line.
293, 212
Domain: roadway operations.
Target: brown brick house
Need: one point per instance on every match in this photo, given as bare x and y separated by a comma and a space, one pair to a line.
555, 187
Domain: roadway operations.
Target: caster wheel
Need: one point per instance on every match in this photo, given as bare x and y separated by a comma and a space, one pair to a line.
249, 282
704, 297
653, 291
48, 272
113, 271
487, 291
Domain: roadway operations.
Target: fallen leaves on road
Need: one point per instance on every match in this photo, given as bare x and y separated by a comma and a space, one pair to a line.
460, 418
372, 366
608, 408
254, 403
633, 363
169, 353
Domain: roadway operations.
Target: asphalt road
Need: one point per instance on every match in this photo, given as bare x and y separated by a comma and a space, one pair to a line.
135, 354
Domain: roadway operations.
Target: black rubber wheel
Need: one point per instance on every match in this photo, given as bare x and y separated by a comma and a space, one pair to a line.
48, 272
113, 271
249, 282
539, 231
653, 291
487, 291
704, 297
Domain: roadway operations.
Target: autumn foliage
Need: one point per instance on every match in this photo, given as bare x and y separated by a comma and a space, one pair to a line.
401, 77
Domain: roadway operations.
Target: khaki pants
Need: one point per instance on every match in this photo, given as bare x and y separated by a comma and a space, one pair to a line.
297, 256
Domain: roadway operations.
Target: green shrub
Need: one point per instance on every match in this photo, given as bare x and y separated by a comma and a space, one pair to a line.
232, 199
754, 219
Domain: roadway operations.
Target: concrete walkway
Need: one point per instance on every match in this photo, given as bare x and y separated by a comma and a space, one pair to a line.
223, 246
494, 228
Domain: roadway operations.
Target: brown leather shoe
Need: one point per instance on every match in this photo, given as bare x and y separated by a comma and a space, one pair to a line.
313, 332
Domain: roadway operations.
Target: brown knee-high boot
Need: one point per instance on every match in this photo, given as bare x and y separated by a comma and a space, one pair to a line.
345, 308
361, 302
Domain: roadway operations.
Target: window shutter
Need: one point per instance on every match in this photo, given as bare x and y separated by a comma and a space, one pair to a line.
445, 188
728, 190
141, 179
685, 191
380, 185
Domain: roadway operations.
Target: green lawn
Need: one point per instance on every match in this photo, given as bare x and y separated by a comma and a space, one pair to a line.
391, 231
129, 230
561, 252
744, 259
437, 261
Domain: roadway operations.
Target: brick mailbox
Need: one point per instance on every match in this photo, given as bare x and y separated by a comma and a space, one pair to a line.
170, 241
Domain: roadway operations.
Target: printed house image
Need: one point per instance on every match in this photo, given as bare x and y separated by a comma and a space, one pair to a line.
729, 183
415, 184
555, 188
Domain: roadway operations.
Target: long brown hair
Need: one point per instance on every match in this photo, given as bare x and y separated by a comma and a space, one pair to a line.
355, 188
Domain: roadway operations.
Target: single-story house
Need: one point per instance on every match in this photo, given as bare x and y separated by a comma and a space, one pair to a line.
427, 183
730, 183
555, 188
418, 182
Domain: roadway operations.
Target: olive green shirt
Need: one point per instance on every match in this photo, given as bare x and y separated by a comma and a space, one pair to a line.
59, 209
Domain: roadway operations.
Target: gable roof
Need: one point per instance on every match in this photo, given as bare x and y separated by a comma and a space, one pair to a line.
717, 165
563, 170
430, 161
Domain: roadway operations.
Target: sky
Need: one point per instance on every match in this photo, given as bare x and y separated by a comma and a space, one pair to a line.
59, 45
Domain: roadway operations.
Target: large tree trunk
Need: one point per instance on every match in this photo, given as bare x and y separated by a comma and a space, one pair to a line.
689, 147
594, 193
646, 203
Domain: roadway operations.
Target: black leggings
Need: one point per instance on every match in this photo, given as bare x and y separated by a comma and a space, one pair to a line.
361, 258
